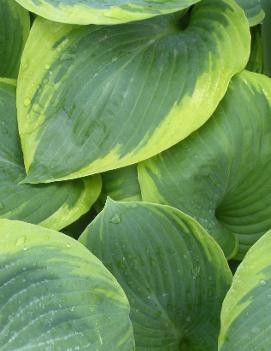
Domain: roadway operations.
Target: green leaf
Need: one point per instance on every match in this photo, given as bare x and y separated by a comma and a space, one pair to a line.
220, 174
266, 30
56, 295
121, 185
253, 10
174, 274
53, 205
14, 30
246, 312
103, 12
256, 60
96, 98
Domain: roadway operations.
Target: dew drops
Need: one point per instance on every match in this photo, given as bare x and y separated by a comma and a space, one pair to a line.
68, 245
188, 319
116, 219
36, 108
20, 241
25, 67
27, 102
195, 272
255, 330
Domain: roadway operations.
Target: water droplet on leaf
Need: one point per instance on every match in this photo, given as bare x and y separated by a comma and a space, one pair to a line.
116, 219
20, 241
27, 102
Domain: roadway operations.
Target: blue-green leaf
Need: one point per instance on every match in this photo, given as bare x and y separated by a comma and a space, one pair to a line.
56, 295
14, 30
220, 174
246, 312
174, 274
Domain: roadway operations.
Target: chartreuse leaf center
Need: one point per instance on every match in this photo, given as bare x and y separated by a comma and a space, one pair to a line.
105, 97
53, 205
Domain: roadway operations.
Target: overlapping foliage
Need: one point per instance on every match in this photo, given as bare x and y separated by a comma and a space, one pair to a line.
141, 129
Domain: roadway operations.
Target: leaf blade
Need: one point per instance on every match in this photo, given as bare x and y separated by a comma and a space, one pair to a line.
171, 270
225, 187
54, 206
245, 313
63, 293
109, 120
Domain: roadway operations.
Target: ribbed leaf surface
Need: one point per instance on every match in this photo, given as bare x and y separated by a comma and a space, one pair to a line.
220, 174
174, 274
14, 30
96, 98
56, 295
103, 12
246, 312
53, 205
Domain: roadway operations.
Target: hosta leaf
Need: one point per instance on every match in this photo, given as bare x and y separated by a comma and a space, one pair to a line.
266, 29
55, 295
220, 174
121, 185
53, 205
174, 274
14, 29
256, 60
246, 312
103, 12
97, 98
253, 10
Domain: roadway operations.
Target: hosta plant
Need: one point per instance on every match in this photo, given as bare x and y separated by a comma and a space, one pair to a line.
174, 274
92, 99
220, 174
142, 130
246, 312
53, 205
55, 295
